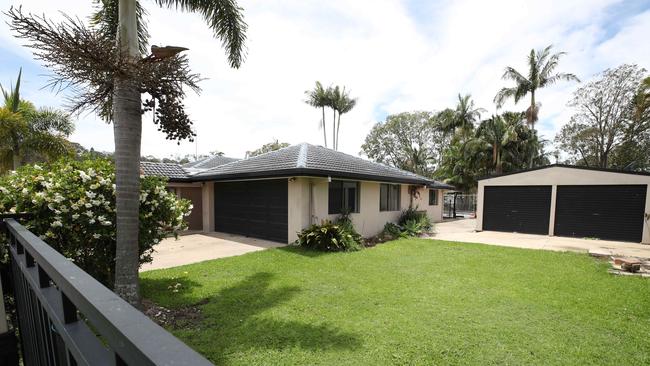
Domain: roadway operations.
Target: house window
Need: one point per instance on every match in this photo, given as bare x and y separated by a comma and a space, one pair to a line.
433, 197
389, 197
343, 196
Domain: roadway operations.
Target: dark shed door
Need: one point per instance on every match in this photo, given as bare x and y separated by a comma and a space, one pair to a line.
522, 209
610, 212
253, 208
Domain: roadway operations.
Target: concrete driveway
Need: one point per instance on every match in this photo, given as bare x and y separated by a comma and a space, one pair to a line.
463, 231
197, 247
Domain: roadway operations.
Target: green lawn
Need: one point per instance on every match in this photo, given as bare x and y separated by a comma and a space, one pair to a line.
410, 302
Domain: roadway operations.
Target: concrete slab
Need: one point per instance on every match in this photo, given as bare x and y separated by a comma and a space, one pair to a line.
464, 231
193, 247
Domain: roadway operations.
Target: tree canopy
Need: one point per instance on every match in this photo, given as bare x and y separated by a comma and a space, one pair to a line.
30, 134
408, 141
268, 147
611, 125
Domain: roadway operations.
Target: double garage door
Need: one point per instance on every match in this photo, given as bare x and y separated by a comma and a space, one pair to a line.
255, 208
610, 212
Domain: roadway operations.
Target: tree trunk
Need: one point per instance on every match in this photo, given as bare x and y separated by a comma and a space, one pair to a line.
127, 129
15, 155
334, 129
324, 129
338, 127
531, 119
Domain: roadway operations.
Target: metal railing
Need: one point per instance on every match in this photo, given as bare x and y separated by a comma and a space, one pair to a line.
66, 317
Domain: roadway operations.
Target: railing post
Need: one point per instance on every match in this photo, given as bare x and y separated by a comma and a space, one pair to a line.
8, 344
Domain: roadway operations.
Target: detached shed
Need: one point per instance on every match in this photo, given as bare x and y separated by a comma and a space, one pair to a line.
565, 200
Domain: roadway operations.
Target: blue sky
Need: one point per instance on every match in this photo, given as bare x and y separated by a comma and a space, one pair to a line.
394, 55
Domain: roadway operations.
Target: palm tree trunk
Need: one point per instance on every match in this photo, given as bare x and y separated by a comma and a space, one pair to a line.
334, 129
15, 155
531, 118
324, 129
338, 127
127, 127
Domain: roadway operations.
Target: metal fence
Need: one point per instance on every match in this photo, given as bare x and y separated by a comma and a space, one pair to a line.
66, 317
459, 205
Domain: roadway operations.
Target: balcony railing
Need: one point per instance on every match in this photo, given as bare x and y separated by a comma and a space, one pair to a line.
66, 317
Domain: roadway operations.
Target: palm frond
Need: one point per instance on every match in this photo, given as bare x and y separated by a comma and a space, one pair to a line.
503, 95
225, 18
559, 77
105, 19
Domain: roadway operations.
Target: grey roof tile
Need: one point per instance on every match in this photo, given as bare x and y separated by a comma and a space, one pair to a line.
167, 170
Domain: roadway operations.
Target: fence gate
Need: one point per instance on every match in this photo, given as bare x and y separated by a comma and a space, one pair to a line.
459, 205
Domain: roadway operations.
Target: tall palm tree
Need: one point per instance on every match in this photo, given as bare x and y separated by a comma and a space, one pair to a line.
541, 65
225, 18
318, 98
27, 132
342, 104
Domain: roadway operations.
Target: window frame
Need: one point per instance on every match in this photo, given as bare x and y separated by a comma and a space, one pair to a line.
343, 196
433, 193
393, 192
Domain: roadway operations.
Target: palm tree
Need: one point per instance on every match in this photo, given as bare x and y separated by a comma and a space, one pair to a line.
541, 65
463, 117
342, 104
121, 18
30, 133
318, 98
496, 134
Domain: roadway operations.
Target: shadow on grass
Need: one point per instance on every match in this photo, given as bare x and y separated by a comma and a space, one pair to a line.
294, 249
240, 318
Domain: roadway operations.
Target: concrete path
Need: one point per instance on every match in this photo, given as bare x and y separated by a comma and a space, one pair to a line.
198, 247
463, 231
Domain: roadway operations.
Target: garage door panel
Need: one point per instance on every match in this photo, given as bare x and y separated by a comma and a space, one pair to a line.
254, 208
524, 209
610, 212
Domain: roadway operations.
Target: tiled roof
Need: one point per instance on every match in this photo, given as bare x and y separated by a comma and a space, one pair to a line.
310, 160
168, 170
210, 162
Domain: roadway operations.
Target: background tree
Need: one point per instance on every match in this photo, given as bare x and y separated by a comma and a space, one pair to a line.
342, 103
318, 98
608, 129
541, 65
28, 133
407, 141
501, 144
268, 147
464, 116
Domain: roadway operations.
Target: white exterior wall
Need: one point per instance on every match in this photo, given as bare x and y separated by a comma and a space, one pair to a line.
369, 221
559, 176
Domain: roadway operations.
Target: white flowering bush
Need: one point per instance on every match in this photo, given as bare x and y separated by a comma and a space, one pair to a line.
73, 208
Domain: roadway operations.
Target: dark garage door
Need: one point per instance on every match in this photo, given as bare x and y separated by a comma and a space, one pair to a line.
611, 212
255, 208
522, 209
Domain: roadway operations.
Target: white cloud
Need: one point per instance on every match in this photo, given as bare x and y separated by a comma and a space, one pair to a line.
393, 55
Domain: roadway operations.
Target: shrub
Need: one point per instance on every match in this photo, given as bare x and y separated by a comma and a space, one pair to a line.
392, 231
73, 208
410, 223
328, 237
346, 224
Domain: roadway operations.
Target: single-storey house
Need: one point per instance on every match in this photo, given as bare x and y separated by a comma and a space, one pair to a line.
569, 201
275, 195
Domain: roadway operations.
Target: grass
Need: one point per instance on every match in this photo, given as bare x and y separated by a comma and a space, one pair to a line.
410, 301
